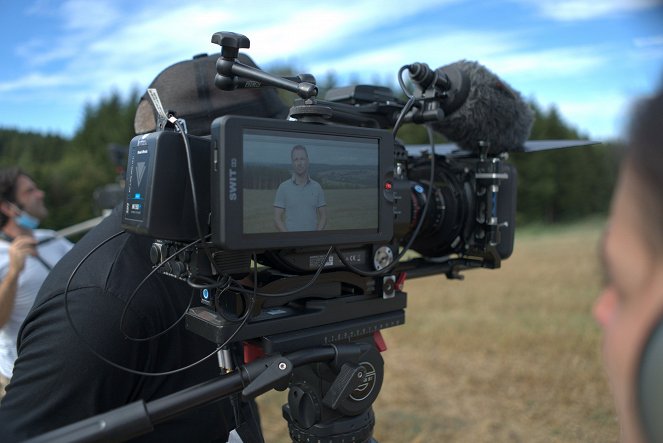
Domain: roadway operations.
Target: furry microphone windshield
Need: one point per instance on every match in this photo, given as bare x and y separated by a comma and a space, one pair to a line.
493, 118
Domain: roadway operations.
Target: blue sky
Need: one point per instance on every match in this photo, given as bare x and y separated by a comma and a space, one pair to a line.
590, 58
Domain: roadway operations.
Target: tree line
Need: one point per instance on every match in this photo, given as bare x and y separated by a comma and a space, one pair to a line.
554, 186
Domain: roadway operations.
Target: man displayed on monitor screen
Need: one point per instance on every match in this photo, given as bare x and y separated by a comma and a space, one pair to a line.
300, 203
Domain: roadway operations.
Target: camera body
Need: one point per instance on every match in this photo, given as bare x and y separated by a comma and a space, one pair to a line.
323, 204
374, 193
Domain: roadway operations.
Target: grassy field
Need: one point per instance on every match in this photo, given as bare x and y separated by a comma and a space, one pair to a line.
509, 355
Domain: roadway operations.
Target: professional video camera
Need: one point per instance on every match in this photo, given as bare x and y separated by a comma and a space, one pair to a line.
295, 224
456, 210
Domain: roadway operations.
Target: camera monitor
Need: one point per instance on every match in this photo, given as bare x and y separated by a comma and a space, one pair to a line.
282, 184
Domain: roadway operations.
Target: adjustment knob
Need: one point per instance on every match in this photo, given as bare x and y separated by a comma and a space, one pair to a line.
304, 405
230, 43
156, 253
178, 269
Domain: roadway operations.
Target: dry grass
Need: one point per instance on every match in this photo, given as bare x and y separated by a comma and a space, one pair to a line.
511, 355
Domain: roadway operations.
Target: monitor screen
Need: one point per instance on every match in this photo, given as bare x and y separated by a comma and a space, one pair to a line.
280, 183
309, 183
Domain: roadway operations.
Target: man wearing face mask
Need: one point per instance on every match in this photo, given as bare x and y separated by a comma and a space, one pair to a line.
27, 254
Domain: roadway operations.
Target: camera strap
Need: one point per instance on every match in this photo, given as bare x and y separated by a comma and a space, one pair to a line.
10, 239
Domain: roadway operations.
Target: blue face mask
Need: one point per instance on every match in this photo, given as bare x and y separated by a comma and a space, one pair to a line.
26, 221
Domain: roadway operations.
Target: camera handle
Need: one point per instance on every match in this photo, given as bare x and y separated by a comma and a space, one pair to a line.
228, 69
139, 418
253, 379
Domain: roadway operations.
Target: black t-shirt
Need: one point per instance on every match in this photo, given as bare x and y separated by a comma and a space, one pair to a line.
58, 381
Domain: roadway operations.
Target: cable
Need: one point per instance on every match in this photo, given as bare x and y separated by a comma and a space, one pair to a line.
158, 334
116, 365
401, 83
401, 116
192, 182
408, 105
429, 194
140, 285
420, 223
247, 314
194, 193
208, 282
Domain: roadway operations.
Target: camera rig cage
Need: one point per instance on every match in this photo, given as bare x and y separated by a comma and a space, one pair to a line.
303, 310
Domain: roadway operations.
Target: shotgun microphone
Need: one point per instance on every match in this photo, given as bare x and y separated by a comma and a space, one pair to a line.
482, 113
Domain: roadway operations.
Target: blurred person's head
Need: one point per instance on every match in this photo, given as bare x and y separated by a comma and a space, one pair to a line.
21, 201
630, 306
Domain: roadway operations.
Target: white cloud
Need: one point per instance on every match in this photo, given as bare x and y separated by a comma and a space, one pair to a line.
648, 48
606, 115
648, 42
42, 8
575, 10
103, 45
435, 50
550, 63
502, 53
118, 44
38, 80
100, 46
87, 16
40, 52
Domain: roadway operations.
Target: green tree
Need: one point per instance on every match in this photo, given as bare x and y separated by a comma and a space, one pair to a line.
554, 186
564, 184
87, 163
36, 154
